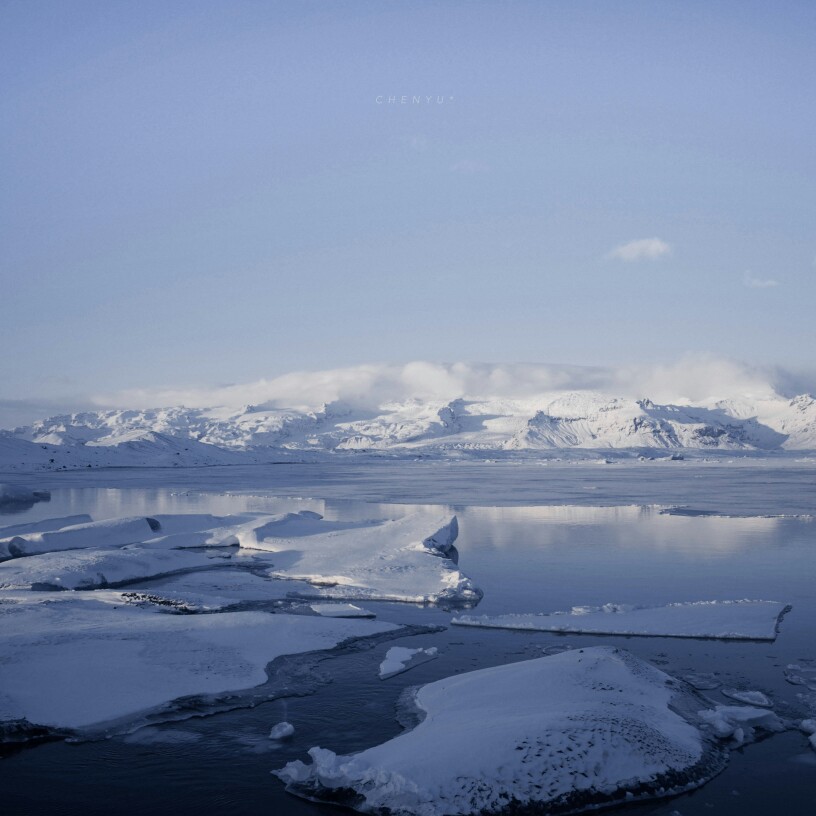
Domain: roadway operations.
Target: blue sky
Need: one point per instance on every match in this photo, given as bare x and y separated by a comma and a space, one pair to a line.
196, 194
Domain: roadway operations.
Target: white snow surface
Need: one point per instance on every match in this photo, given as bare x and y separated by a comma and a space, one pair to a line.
399, 659
78, 662
725, 620
572, 730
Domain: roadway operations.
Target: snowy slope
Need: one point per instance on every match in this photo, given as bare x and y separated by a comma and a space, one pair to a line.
552, 421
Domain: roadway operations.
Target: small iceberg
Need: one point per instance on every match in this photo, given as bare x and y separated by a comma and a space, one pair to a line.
399, 659
716, 620
341, 610
564, 733
739, 723
281, 731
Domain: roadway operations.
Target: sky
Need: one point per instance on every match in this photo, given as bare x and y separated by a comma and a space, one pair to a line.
200, 194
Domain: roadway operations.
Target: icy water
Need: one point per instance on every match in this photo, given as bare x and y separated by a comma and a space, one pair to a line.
549, 556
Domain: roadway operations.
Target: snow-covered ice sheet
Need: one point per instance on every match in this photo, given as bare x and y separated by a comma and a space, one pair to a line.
89, 569
93, 534
567, 732
406, 559
43, 525
75, 663
725, 620
399, 659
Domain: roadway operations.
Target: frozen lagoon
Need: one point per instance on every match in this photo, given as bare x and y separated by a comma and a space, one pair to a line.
525, 558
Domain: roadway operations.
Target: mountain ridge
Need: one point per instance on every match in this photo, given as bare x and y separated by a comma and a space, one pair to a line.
576, 420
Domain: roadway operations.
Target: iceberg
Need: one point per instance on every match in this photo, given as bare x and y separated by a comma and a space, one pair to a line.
719, 620
281, 731
567, 732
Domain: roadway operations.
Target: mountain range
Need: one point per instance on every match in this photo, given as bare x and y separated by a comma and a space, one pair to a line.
576, 420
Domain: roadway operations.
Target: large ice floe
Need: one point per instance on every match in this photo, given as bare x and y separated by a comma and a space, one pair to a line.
564, 733
722, 620
78, 661
407, 559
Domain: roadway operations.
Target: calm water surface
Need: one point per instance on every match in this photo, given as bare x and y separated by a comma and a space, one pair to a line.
526, 559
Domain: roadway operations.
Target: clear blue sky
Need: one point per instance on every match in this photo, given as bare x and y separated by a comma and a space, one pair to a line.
199, 193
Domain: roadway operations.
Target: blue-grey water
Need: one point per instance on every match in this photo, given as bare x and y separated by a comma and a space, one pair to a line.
531, 550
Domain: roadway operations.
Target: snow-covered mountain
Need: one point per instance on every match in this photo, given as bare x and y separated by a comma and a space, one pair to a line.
578, 420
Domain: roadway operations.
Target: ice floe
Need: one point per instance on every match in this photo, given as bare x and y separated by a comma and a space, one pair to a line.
808, 727
399, 659
93, 534
752, 698
341, 610
726, 620
407, 559
566, 732
739, 723
89, 569
76, 663
283, 730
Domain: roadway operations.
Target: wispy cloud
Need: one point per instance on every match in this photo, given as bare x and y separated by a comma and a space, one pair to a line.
753, 282
644, 249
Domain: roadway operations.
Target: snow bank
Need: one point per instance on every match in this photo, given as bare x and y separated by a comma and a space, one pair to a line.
397, 560
726, 620
76, 664
566, 732
400, 659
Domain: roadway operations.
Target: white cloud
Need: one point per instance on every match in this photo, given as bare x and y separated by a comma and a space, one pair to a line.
640, 250
690, 379
758, 283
